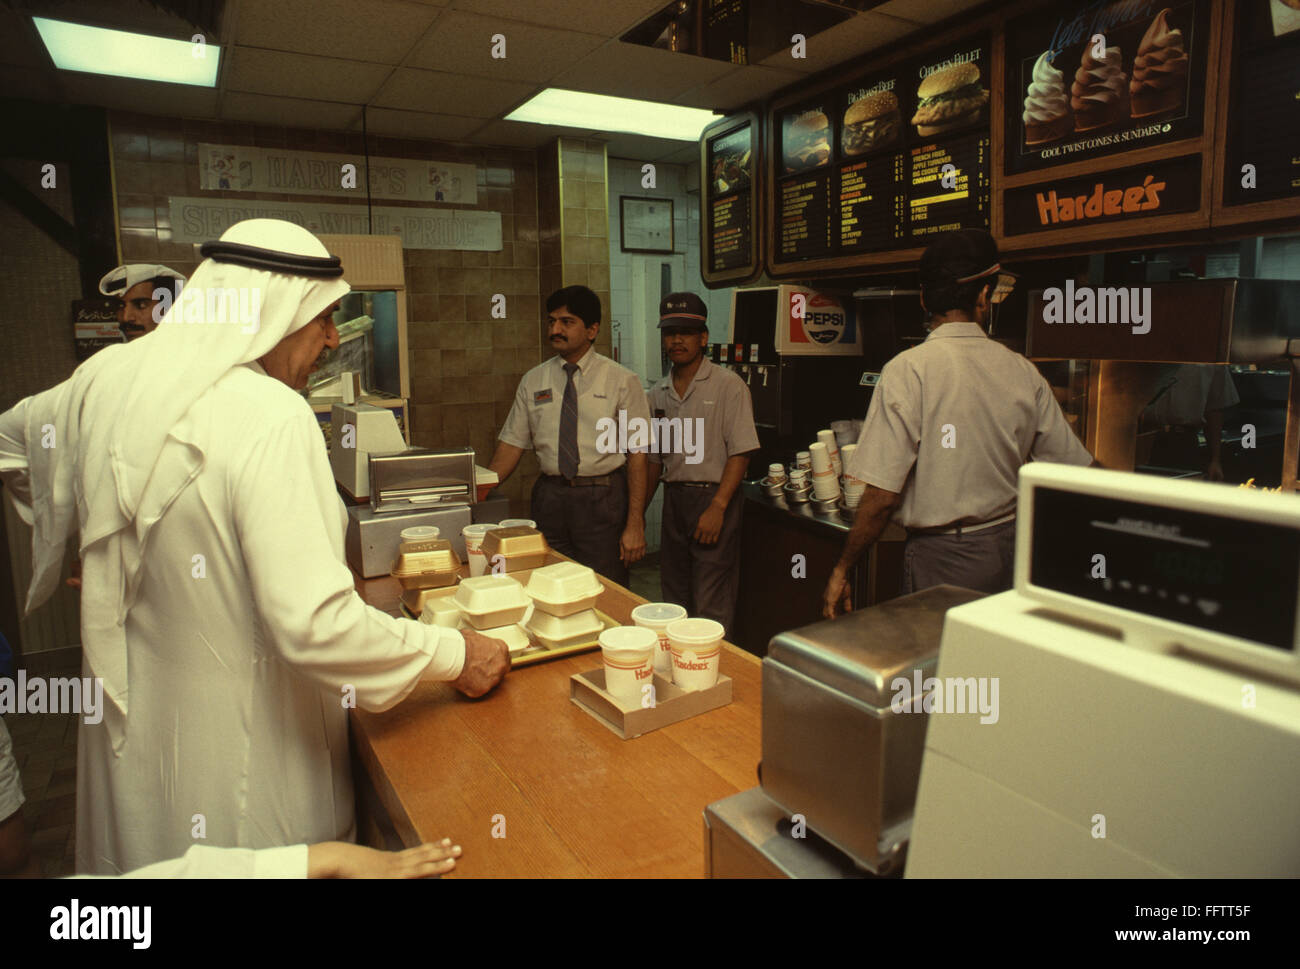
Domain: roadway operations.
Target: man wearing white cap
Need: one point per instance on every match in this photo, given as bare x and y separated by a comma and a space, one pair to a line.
135, 285
216, 606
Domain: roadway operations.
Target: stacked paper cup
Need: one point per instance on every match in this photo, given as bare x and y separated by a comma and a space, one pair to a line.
846, 458
853, 489
843, 433
803, 460
827, 437
826, 485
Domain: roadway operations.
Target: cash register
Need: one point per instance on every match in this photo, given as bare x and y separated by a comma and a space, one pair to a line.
1144, 674
1148, 662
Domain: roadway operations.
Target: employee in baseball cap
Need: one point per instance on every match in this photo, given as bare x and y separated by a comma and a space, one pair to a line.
134, 285
704, 422
950, 424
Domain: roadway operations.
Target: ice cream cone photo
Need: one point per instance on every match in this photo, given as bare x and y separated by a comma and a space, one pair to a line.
1047, 105
1159, 84
1099, 96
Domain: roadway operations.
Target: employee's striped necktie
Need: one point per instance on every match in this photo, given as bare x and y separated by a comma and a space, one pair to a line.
569, 426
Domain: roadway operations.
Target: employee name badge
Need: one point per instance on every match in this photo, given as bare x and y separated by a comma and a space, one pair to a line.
542, 396
810, 323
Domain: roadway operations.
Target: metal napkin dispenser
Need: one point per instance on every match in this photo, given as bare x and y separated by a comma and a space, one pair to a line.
834, 751
420, 479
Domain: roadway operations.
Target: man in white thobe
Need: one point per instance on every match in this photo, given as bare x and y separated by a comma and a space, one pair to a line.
216, 605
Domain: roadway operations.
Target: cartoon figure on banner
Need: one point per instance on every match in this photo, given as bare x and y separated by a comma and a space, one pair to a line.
221, 170
436, 180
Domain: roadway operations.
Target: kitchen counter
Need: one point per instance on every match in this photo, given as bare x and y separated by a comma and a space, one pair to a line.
805, 513
570, 797
787, 552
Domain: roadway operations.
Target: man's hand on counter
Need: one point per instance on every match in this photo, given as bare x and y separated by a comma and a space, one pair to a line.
837, 593
486, 663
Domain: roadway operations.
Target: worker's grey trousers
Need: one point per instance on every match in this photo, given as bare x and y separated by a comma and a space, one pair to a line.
703, 579
983, 560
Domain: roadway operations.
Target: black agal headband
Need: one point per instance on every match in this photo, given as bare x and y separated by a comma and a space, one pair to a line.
254, 257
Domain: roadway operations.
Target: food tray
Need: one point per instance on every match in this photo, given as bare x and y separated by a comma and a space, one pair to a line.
536, 653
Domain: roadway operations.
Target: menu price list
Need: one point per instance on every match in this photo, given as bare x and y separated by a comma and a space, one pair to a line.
805, 216
949, 187
873, 204
730, 233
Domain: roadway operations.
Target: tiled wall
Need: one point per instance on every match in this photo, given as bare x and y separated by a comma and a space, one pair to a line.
465, 366
573, 233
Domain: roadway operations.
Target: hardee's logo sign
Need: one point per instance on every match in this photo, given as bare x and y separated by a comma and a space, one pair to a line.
1102, 203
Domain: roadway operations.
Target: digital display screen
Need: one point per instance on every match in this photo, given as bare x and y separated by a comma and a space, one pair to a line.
1222, 575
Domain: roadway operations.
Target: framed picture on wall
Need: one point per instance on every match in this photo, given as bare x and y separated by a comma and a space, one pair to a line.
646, 224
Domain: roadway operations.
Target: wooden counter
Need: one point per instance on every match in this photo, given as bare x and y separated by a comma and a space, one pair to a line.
576, 800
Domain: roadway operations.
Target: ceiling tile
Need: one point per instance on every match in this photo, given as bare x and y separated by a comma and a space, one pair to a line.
518, 134
741, 86
302, 75
609, 18
858, 35
441, 92
462, 43
633, 71
683, 156
418, 124
19, 42
929, 12
642, 149
364, 30
172, 101
289, 112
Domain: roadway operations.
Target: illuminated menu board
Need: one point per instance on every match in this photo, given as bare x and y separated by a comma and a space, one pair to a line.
1088, 80
948, 187
881, 164
729, 200
1263, 143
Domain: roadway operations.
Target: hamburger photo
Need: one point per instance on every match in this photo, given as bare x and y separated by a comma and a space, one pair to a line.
948, 99
807, 142
871, 122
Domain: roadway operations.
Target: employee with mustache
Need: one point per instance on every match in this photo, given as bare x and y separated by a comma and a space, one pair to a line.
589, 504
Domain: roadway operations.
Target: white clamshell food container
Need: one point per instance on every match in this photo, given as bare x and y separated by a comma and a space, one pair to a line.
489, 601
560, 632
564, 589
442, 611
514, 636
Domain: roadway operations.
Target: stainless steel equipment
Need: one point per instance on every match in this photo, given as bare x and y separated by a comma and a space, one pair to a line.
836, 749
418, 478
372, 539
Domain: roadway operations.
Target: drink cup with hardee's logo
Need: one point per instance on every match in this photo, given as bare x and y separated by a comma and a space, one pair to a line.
657, 616
697, 652
628, 652
473, 535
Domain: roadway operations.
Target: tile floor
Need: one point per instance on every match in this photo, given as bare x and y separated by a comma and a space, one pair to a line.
45, 746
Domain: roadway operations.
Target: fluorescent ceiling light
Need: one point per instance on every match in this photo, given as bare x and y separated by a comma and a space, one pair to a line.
120, 53
600, 112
